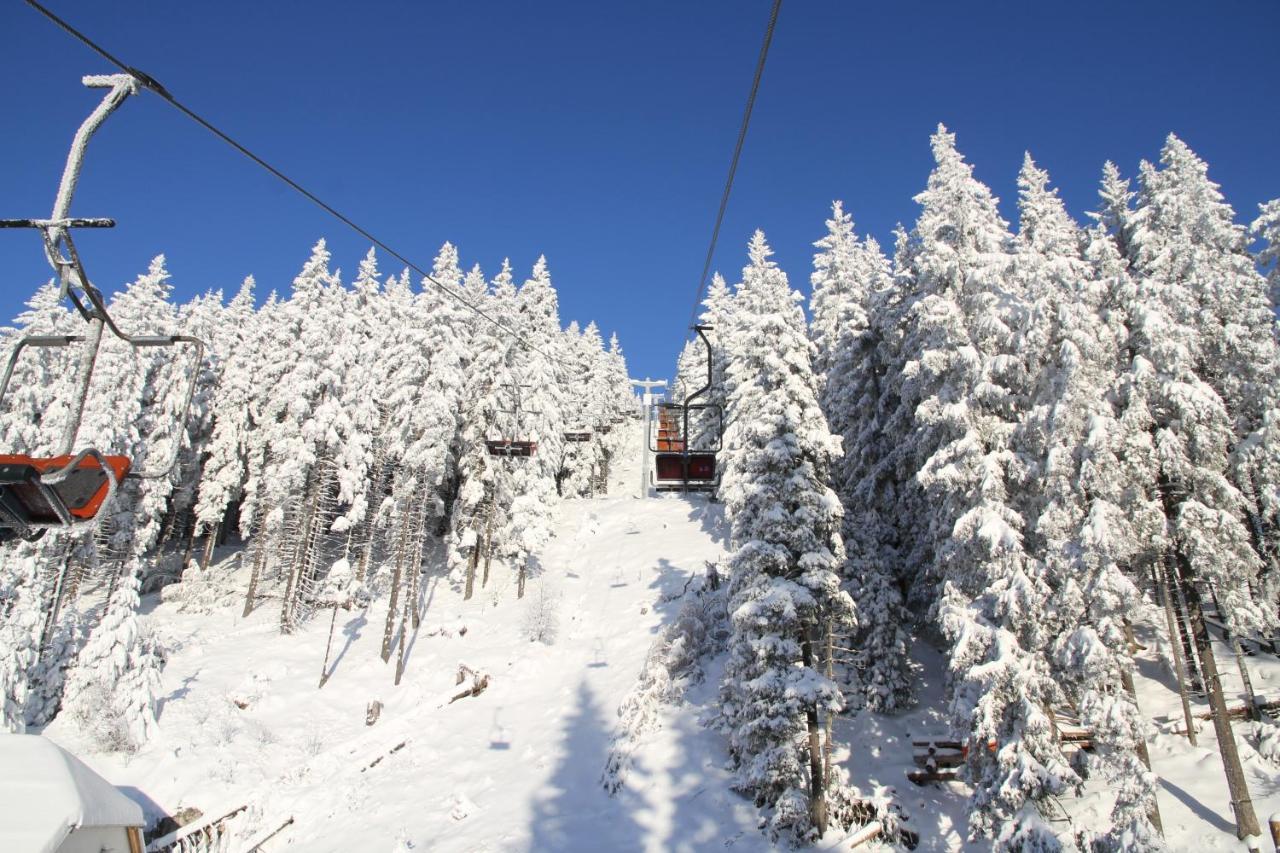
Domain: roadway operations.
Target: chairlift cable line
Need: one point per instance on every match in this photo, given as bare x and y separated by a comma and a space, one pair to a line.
733, 164
153, 85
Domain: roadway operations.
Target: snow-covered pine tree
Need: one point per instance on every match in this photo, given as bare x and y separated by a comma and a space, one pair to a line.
1171, 390
849, 279
785, 596
224, 472
534, 388
1267, 228
961, 387
1081, 531
482, 495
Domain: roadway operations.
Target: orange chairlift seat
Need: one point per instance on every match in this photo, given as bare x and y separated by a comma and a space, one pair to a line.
67, 491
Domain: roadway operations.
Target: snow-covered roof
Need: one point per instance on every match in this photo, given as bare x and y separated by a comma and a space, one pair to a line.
46, 792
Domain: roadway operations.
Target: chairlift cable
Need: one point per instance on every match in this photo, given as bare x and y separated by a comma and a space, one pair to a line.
733, 164
152, 84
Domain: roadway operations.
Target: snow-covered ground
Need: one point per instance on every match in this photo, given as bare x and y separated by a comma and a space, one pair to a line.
518, 767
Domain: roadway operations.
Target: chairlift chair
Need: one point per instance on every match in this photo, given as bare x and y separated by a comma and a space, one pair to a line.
676, 466
68, 491
507, 447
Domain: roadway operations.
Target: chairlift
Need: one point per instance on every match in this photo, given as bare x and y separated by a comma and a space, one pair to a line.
68, 491
512, 448
578, 435
677, 466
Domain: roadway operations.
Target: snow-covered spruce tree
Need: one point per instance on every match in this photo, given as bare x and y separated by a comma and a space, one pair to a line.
224, 472
1202, 323
296, 437
785, 596
848, 280
1185, 233
963, 383
474, 513
1267, 228
1081, 530
112, 689
134, 408
577, 461
1204, 528
534, 388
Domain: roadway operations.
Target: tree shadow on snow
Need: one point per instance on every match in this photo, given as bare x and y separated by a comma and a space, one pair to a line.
1198, 808
350, 630
710, 517
575, 813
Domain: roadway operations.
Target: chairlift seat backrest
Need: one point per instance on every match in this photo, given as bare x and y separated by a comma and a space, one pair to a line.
26, 494
507, 448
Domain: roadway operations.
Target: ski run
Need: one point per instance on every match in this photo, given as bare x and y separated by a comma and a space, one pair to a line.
993, 521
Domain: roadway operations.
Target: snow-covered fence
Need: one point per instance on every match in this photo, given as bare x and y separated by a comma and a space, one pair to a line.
206, 835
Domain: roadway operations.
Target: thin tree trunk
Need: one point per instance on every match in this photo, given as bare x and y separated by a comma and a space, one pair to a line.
400, 661
1183, 612
55, 606
1144, 755
1175, 645
210, 542
388, 633
817, 779
259, 558
190, 544
324, 667
472, 559
520, 577
1241, 802
1250, 698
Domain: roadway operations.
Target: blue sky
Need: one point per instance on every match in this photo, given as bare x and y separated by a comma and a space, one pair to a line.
600, 133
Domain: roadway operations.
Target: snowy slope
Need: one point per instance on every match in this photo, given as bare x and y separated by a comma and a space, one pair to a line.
518, 767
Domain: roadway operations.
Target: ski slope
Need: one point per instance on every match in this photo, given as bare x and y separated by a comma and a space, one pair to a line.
518, 767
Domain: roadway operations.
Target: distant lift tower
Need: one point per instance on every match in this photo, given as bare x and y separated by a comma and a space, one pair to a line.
648, 385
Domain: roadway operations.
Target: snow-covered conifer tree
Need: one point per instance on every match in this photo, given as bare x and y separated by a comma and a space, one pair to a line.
785, 596
848, 280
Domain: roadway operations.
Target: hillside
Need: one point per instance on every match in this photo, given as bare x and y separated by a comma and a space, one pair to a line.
519, 766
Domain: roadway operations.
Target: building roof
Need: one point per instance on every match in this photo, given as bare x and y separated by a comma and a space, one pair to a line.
46, 792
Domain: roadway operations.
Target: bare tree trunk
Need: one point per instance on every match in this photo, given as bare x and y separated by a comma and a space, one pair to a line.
404, 618
520, 577
1241, 802
388, 633
299, 553
1183, 613
55, 605
211, 541
1175, 644
472, 559
1144, 755
817, 778
259, 559
1250, 698
324, 667
190, 543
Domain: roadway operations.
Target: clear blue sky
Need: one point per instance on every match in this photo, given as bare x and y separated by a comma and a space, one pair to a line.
599, 133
